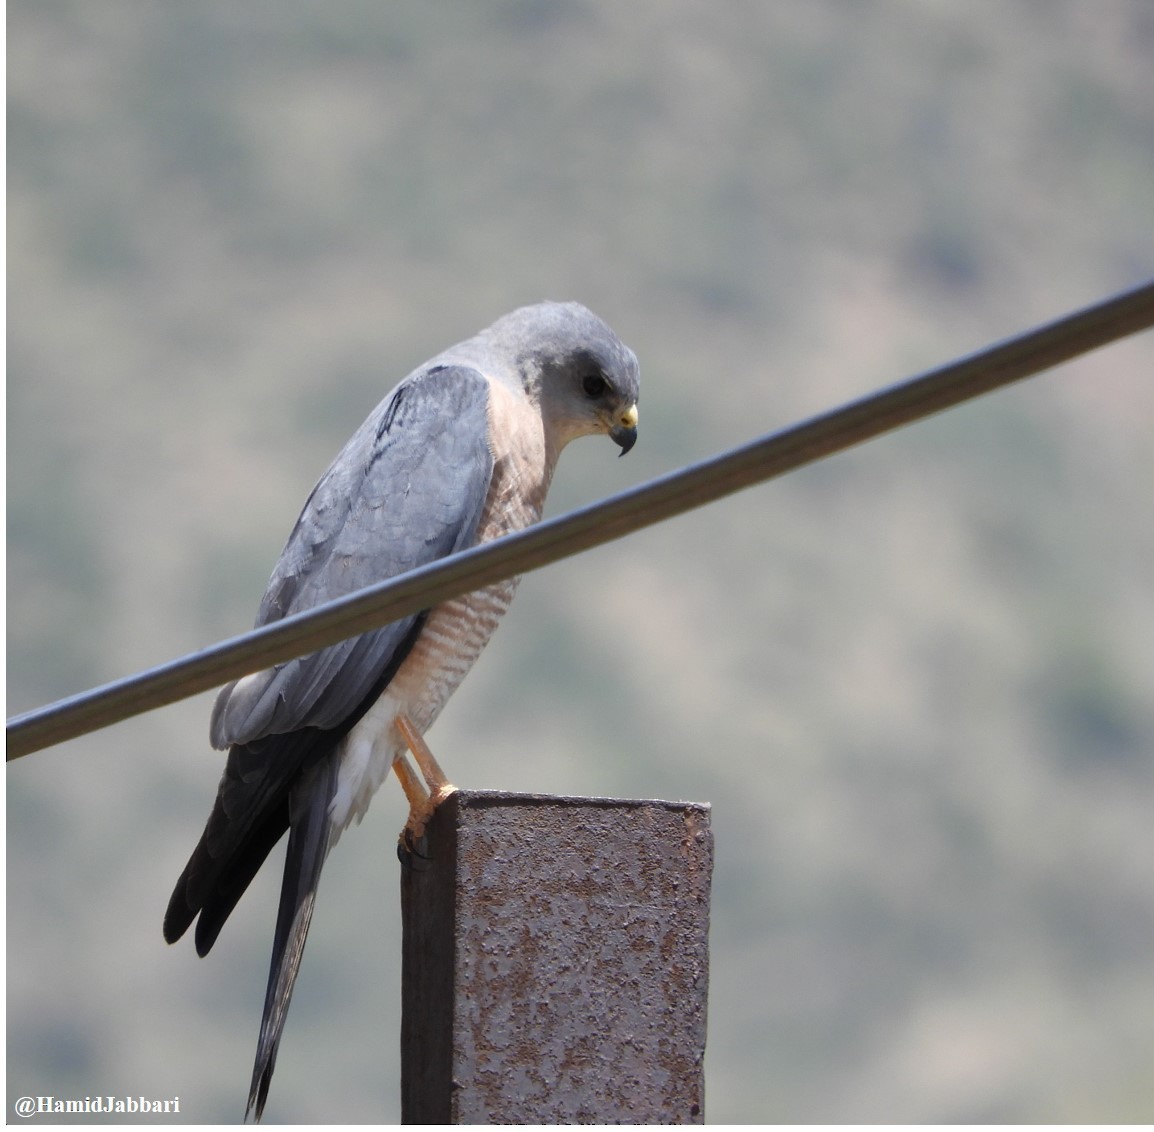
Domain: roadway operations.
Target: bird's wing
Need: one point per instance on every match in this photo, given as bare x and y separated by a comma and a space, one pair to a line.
408, 488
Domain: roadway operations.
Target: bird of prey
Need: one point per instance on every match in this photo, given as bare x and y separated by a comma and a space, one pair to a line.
460, 452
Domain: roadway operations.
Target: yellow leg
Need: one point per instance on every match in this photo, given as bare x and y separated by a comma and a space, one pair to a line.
439, 785
413, 787
422, 804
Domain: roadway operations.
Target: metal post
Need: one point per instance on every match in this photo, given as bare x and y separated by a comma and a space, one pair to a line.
555, 962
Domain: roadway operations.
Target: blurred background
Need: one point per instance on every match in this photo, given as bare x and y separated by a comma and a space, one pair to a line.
914, 681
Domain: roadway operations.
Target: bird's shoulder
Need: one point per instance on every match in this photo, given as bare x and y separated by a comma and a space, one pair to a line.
417, 467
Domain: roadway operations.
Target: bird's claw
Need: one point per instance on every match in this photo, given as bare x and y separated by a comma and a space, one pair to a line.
424, 798
412, 851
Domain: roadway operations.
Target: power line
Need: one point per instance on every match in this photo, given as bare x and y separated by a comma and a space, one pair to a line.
547, 542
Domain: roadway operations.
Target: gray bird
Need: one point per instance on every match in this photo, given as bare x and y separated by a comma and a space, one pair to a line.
461, 452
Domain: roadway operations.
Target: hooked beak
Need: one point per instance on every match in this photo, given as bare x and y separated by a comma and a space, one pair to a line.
624, 432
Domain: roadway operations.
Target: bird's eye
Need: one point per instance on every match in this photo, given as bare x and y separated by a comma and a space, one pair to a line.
594, 385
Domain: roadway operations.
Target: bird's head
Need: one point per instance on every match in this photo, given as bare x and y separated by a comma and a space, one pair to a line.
585, 379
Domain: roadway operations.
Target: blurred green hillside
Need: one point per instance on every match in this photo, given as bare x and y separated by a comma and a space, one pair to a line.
915, 681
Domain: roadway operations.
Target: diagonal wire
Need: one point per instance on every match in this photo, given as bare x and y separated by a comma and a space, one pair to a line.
547, 542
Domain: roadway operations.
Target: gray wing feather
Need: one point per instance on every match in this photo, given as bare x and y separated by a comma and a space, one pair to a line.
408, 488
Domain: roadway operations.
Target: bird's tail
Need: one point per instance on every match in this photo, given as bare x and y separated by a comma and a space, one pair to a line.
309, 835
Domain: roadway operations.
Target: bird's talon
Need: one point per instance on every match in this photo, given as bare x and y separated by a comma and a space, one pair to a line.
412, 851
424, 798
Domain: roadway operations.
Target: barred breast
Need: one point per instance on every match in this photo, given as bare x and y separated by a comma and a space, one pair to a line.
456, 631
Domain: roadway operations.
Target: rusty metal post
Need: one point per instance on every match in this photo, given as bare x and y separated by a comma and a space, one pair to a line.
555, 962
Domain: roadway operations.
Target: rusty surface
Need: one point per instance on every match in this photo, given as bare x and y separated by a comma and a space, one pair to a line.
556, 962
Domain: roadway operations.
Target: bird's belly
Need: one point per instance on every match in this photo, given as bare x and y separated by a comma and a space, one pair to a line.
452, 638
454, 633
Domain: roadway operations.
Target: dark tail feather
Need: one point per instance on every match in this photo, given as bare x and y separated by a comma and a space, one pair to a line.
308, 843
